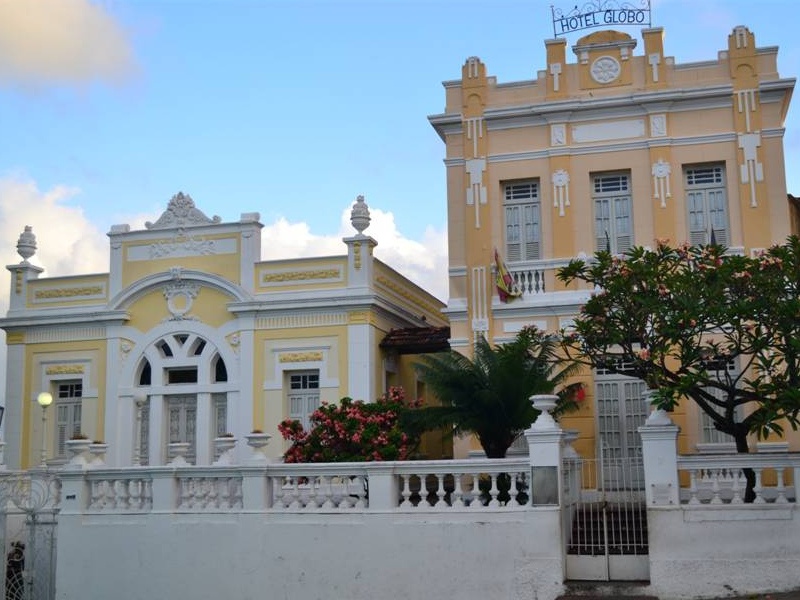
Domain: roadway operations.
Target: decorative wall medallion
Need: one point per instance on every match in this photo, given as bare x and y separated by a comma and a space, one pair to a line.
605, 69
180, 296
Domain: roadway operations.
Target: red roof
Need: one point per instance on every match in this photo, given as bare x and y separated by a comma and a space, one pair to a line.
417, 340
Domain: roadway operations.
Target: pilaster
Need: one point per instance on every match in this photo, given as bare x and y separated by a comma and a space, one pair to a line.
478, 196
250, 251
655, 64
556, 74
21, 274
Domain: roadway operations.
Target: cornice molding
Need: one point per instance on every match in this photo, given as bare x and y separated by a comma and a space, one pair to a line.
127, 296
61, 318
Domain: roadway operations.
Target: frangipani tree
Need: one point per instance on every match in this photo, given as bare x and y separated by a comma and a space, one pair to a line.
678, 317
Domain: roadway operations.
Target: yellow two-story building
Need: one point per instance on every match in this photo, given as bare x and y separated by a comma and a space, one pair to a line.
190, 335
610, 147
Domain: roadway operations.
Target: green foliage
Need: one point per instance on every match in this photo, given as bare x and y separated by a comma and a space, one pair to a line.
354, 431
675, 317
489, 396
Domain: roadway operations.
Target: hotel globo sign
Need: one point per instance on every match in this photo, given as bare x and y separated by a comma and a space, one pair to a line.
601, 13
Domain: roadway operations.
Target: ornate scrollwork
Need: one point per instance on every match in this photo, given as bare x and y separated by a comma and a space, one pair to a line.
181, 212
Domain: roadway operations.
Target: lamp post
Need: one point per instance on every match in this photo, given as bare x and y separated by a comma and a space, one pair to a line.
44, 400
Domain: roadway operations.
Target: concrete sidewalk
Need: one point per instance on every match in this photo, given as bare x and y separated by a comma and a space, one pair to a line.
593, 593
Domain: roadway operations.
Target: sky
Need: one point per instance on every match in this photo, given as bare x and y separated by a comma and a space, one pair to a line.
289, 108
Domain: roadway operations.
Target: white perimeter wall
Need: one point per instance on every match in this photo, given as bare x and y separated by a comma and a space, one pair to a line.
704, 551
300, 556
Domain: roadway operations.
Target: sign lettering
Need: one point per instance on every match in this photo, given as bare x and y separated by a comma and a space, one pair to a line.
601, 13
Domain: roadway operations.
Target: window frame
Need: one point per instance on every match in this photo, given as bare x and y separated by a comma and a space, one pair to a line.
69, 402
697, 236
610, 238
522, 249
307, 392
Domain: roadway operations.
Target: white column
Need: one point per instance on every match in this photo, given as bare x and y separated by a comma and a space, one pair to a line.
155, 443
116, 429
360, 368
204, 430
12, 434
660, 458
120, 430
241, 402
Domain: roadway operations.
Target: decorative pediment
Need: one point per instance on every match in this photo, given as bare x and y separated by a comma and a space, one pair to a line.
181, 212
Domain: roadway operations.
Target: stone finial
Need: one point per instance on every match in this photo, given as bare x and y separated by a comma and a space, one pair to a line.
26, 244
359, 216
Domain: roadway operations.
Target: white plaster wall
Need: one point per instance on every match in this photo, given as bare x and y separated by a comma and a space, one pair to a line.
716, 552
278, 555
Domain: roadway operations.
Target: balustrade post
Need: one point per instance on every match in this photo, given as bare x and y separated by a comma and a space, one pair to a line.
165, 490
384, 490
256, 489
660, 458
796, 483
75, 493
544, 438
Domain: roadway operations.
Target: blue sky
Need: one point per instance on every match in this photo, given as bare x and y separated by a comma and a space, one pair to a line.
288, 108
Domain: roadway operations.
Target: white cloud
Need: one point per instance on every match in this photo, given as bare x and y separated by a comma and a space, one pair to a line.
424, 262
43, 42
69, 243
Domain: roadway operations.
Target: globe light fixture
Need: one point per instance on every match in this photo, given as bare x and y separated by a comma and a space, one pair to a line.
44, 400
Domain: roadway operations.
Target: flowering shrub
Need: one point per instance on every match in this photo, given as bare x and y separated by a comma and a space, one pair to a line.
354, 431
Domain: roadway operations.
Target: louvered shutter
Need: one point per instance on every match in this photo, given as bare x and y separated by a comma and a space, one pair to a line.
623, 227
602, 223
698, 233
513, 237
531, 228
62, 427
523, 221
718, 215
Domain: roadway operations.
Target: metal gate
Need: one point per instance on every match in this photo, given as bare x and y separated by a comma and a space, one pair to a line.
28, 525
606, 519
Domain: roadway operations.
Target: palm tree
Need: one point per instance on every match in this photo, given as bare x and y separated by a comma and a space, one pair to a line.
489, 396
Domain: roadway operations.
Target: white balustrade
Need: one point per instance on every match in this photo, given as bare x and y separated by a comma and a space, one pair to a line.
207, 489
445, 485
119, 492
722, 479
456, 484
530, 276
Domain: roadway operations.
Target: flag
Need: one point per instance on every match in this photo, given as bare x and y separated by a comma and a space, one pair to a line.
506, 289
712, 238
608, 243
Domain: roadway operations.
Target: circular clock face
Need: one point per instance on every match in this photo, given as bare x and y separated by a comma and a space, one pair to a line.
605, 69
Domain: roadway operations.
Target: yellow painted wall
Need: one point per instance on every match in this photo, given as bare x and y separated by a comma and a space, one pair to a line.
91, 353
225, 265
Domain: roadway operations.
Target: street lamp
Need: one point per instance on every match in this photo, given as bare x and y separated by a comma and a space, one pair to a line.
44, 400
